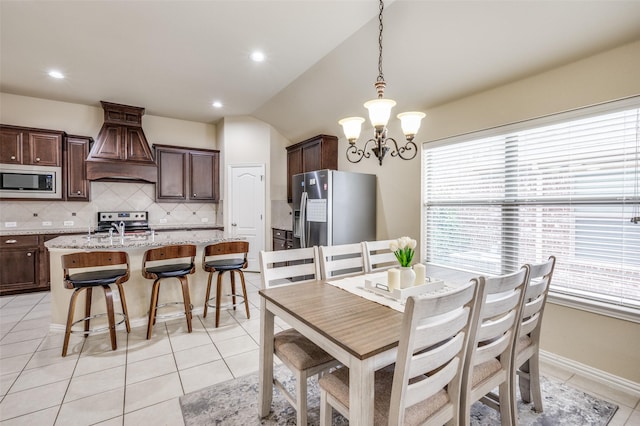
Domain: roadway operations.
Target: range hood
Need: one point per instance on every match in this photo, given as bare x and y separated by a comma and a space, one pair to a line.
121, 151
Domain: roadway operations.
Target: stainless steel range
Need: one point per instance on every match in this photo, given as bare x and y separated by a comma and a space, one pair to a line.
130, 221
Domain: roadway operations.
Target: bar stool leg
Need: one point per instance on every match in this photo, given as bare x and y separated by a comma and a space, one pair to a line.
152, 307
87, 310
207, 296
108, 297
233, 288
218, 296
123, 302
244, 292
187, 300
72, 309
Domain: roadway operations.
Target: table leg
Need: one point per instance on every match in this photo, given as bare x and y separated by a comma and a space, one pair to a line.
266, 360
361, 389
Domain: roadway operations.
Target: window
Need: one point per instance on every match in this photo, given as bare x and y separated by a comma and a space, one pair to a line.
565, 185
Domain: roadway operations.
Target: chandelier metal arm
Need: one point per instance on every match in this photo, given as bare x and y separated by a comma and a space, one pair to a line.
355, 154
410, 148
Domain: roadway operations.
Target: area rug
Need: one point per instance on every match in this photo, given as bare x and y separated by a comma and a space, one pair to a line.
235, 402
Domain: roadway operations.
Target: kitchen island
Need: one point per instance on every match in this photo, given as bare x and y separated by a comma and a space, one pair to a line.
137, 289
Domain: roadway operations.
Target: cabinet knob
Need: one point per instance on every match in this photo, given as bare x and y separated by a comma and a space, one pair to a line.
195, 195
28, 254
11, 241
78, 192
37, 159
13, 157
234, 224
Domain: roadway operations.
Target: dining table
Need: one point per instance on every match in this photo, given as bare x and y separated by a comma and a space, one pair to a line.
361, 334
357, 328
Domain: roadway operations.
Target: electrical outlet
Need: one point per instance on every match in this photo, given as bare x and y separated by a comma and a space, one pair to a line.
205, 219
10, 224
46, 223
68, 223
163, 220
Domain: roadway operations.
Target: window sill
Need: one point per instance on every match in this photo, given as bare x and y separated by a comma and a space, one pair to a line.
595, 307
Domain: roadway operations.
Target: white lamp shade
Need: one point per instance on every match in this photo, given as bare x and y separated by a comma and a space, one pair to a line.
351, 127
379, 111
410, 122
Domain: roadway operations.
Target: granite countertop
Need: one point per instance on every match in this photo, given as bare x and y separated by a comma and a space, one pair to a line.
76, 230
151, 239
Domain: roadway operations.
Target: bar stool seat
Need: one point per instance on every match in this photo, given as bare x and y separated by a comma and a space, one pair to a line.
180, 270
86, 280
221, 258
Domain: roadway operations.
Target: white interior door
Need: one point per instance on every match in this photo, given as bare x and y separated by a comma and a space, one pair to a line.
246, 208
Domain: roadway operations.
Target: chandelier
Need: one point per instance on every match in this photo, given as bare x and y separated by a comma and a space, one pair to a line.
379, 113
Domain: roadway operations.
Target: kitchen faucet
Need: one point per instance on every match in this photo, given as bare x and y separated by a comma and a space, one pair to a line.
120, 228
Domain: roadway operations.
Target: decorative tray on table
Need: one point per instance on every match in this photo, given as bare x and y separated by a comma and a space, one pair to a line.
379, 286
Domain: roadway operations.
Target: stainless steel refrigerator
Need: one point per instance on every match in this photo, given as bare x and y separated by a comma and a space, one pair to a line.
332, 207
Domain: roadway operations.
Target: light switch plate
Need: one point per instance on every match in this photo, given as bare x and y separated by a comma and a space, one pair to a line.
46, 223
68, 223
163, 220
205, 219
10, 224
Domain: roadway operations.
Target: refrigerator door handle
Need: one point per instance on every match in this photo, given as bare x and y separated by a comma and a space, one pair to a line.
303, 220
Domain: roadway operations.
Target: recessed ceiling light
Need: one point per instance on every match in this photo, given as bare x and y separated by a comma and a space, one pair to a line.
56, 74
217, 104
257, 56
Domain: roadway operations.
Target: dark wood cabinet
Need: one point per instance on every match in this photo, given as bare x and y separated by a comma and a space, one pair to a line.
282, 240
317, 153
28, 146
187, 175
20, 257
75, 150
29, 263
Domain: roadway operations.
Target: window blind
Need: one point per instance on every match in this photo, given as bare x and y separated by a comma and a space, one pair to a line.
564, 186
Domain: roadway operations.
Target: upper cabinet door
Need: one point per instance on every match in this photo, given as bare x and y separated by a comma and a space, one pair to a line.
11, 145
45, 149
203, 176
172, 174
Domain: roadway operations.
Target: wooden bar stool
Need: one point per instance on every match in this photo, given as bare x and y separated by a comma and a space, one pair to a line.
225, 257
89, 278
152, 268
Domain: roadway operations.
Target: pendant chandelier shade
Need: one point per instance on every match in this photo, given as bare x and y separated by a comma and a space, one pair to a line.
379, 114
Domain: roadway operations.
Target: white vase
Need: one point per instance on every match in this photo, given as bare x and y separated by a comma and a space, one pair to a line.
407, 276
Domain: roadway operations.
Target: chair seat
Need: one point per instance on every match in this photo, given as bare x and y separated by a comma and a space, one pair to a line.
522, 343
95, 278
298, 350
337, 384
225, 264
485, 370
173, 270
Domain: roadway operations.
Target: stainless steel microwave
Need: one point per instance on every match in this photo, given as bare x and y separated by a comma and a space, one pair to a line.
20, 181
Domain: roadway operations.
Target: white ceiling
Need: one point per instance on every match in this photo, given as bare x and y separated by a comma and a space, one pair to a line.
175, 57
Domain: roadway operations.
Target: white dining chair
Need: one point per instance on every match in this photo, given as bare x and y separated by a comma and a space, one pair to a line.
489, 357
303, 357
378, 256
527, 346
341, 260
423, 386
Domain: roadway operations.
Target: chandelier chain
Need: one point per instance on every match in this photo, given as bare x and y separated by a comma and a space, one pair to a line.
380, 27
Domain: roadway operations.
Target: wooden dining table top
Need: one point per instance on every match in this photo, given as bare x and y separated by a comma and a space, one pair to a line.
361, 327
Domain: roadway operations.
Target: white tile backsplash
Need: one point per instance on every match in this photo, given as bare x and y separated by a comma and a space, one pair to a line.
105, 196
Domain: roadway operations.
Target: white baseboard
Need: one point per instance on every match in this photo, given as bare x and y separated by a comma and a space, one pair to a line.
600, 376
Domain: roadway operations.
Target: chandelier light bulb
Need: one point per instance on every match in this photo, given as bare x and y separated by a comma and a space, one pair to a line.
351, 127
379, 111
410, 122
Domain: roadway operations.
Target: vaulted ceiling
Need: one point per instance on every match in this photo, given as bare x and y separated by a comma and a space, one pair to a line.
175, 57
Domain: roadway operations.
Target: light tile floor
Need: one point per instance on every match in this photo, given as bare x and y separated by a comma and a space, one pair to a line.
141, 381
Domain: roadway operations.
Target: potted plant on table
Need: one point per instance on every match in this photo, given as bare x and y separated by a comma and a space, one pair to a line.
404, 249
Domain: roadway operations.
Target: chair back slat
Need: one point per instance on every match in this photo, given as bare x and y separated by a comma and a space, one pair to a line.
422, 371
170, 252
292, 266
341, 260
94, 259
226, 247
378, 256
536, 296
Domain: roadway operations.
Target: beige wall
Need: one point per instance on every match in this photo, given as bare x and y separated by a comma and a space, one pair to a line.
602, 342
86, 120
